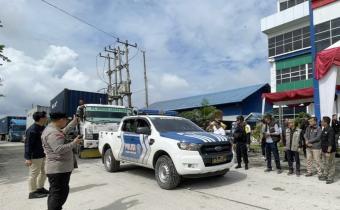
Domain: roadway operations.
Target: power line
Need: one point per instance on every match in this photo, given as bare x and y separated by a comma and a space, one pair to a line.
79, 19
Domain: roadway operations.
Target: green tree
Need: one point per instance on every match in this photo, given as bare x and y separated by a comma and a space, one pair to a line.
2, 57
203, 115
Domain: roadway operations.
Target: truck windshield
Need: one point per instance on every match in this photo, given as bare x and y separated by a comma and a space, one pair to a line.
163, 124
18, 128
106, 114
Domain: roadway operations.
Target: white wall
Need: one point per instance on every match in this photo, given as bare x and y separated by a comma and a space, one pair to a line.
327, 12
288, 16
273, 77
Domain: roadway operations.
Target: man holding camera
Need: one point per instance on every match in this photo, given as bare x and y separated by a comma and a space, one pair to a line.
59, 158
217, 127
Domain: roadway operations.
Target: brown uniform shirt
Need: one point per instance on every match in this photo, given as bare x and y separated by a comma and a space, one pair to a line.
59, 155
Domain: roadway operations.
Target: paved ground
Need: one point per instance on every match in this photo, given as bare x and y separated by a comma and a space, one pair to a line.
136, 188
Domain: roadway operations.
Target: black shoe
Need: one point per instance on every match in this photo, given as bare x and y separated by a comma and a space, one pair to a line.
290, 172
238, 166
329, 181
42, 191
322, 178
298, 173
246, 167
279, 171
308, 175
268, 170
34, 195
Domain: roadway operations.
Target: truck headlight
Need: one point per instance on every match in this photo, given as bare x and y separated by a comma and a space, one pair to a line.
188, 146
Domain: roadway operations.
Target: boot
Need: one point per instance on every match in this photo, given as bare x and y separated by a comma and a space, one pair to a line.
329, 181
42, 191
298, 173
35, 194
246, 167
268, 170
290, 172
238, 166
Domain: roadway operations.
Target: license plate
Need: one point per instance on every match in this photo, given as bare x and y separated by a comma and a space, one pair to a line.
219, 159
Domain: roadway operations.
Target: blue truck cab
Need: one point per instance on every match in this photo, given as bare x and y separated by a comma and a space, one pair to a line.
12, 128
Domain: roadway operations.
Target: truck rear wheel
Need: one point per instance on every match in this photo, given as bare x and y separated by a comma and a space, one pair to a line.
110, 163
166, 173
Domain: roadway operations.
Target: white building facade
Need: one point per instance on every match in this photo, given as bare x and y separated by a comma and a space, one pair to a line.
290, 47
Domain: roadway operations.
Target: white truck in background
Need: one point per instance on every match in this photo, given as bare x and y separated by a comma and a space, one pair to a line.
96, 118
29, 115
173, 146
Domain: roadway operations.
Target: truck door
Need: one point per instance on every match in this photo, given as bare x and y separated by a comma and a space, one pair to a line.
135, 147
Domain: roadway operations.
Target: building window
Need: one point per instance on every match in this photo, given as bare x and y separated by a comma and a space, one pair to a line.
293, 74
327, 33
290, 3
310, 71
288, 42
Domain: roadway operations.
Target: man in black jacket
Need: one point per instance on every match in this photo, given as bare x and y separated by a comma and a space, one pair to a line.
241, 142
35, 156
328, 151
336, 128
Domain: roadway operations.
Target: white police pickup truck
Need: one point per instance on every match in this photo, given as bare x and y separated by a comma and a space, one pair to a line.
173, 146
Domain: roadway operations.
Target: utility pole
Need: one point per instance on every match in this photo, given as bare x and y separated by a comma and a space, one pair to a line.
145, 82
115, 91
110, 93
120, 73
129, 93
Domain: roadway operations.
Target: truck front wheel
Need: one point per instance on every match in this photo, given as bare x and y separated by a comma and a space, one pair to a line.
166, 173
110, 163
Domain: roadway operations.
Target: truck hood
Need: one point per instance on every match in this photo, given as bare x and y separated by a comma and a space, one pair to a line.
111, 127
195, 137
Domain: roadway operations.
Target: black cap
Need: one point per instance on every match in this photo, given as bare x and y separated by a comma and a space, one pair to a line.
57, 115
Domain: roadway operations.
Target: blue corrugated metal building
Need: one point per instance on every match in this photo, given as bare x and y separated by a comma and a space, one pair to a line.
241, 101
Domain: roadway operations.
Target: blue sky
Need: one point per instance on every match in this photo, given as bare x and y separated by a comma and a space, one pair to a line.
193, 47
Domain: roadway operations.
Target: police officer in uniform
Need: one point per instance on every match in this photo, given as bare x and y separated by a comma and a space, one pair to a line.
240, 140
59, 158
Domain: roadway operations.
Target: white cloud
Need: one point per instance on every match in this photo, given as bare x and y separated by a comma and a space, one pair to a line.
30, 81
173, 82
201, 46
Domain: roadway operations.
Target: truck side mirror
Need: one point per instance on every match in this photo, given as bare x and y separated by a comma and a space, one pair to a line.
143, 130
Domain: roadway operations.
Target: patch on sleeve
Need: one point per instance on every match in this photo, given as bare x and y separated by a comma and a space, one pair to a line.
60, 136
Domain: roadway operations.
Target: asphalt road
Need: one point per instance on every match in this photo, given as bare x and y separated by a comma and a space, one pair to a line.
92, 188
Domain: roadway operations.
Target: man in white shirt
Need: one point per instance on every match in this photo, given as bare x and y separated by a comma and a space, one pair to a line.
218, 129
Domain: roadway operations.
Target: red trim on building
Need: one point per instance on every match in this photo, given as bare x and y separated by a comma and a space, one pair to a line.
290, 95
325, 60
320, 3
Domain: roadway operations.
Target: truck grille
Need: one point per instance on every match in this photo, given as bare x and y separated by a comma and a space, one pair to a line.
95, 136
216, 153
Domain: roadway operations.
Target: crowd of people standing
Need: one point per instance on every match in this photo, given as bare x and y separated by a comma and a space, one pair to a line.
316, 140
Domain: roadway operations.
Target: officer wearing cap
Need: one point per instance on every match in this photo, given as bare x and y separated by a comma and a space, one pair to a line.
59, 158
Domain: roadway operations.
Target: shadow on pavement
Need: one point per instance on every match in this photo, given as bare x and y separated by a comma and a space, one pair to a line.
122, 203
85, 187
229, 178
12, 163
